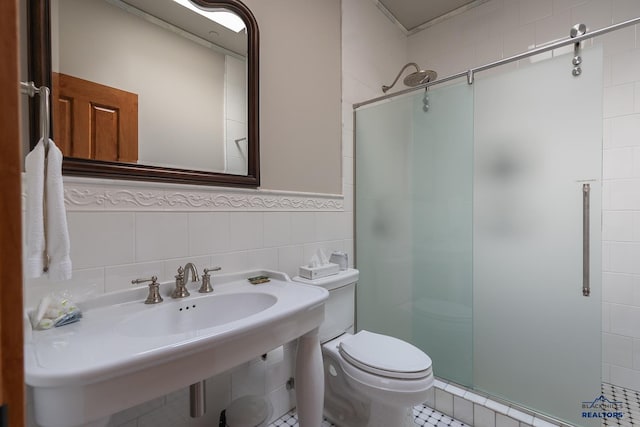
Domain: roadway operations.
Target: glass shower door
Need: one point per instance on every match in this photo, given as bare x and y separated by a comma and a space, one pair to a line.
538, 141
442, 220
383, 233
469, 231
414, 172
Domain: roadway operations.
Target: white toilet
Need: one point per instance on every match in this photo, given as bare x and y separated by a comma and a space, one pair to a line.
371, 380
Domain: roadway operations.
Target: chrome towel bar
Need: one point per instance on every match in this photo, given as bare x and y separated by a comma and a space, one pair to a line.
30, 89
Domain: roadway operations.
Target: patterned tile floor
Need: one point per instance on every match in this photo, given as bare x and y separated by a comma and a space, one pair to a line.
427, 417
629, 402
424, 416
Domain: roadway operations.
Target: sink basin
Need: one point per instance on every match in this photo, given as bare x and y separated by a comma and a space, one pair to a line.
124, 352
194, 314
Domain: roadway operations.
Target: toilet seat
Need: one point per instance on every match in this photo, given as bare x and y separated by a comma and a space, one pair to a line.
382, 390
385, 356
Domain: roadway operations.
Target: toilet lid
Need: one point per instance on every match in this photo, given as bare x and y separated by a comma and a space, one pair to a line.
385, 355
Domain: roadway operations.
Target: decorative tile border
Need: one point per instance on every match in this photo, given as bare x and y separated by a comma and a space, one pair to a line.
88, 194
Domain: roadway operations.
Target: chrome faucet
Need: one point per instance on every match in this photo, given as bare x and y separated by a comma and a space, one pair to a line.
194, 272
182, 278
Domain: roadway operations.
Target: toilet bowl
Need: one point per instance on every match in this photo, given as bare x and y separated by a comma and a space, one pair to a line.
371, 380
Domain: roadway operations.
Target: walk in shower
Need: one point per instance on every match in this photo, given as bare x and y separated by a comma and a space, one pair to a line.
478, 229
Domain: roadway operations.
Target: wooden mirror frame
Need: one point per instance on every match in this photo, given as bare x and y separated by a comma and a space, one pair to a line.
39, 61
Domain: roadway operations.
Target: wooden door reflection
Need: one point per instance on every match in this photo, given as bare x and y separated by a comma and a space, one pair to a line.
94, 121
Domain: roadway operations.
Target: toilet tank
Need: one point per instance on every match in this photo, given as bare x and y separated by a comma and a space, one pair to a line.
339, 309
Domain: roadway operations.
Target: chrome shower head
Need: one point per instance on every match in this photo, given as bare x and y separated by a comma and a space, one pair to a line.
416, 78
419, 77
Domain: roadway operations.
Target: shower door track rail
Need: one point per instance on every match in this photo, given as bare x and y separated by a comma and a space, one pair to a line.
470, 73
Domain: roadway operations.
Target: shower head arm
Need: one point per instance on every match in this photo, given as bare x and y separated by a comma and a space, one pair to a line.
385, 88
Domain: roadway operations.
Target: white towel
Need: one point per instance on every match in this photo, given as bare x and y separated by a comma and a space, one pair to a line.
48, 245
34, 218
57, 233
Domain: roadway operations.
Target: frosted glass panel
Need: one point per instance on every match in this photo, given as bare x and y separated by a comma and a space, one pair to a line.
383, 218
442, 218
538, 135
414, 224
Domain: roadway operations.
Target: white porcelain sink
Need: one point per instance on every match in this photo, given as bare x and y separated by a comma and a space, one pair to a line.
124, 352
194, 314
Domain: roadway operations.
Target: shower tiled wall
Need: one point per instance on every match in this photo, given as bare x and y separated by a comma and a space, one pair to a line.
500, 28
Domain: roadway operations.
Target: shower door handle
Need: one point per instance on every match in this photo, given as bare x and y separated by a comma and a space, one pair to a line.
586, 286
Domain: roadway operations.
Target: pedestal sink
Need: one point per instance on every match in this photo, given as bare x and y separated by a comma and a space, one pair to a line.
123, 352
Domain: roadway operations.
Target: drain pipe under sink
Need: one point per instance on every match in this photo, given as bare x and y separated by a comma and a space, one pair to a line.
197, 399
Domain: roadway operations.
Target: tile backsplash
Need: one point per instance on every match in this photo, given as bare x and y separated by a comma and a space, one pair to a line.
115, 239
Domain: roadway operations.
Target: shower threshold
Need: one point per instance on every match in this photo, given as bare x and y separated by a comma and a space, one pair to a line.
463, 405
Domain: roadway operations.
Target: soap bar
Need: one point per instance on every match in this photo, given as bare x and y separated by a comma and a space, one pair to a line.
258, 279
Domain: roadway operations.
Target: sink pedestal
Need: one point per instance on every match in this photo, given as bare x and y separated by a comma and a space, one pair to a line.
309, 380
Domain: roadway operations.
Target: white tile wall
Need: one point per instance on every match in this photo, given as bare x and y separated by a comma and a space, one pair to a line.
444, 401
277, 229
463, 410
111, 243
161, 235
618, 100
483, 417
373, 51
246, 230
116, 276
208, 232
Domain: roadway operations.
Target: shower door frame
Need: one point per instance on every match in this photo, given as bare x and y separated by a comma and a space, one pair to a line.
471, 72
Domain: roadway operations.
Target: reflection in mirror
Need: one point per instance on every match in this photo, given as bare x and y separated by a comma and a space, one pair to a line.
146, 87
189, 88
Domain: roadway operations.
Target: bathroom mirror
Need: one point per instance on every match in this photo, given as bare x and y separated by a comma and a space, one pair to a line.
149, 89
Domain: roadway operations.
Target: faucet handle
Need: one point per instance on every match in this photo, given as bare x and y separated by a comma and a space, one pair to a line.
180, 290
206, 280
154, 289
138, 281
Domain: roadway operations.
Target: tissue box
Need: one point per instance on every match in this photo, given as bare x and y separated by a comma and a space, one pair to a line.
318, 272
